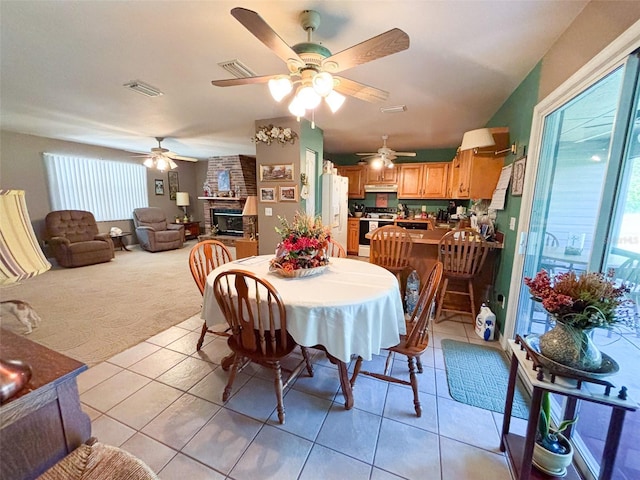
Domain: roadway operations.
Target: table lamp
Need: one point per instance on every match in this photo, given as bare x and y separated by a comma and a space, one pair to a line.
182, 200
251, 210
20, 258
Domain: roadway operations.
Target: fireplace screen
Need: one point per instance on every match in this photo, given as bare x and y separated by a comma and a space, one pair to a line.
228, 220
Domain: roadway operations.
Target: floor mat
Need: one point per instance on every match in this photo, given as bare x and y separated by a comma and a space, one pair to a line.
479, 375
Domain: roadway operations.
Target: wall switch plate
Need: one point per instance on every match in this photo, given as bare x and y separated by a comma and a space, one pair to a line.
268, 212
512, 223
501, 300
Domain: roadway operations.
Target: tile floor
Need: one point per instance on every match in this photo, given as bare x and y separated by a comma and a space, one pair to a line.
162, 401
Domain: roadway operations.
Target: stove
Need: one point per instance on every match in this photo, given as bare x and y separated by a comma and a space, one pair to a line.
372, 218
379, 213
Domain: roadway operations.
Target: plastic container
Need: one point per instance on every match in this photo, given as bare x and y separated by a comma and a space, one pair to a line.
412, 293
485, 323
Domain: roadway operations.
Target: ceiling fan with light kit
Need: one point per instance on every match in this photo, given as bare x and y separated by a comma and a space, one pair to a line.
384, 157
312, 67
162, 158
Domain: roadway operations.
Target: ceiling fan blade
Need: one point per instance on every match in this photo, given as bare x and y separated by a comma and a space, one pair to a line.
367, 154
405, 154
231, 82
263, 32
393, 41
360, 90
174, 156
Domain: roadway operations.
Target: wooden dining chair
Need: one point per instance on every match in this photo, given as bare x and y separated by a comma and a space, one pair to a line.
204, 257
391, 248
415, 342
462, 253
257, 317
334, 249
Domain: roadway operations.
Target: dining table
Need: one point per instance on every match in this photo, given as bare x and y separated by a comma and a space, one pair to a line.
351, 308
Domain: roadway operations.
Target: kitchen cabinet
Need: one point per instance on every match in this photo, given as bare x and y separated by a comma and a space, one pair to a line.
475, 175
423, 180
383, 176
356, 175
353, 235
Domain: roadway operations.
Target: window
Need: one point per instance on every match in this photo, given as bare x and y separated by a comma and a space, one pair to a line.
108, 189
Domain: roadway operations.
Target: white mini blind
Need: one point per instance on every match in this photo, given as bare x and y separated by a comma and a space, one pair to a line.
108, 189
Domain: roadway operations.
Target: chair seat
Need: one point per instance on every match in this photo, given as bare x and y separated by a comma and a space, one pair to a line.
270, 355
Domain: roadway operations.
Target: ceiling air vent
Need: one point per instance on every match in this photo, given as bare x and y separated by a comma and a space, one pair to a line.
395, 109
237, 68
143, 88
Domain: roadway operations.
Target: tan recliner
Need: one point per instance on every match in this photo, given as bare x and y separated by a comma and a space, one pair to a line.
154, 233
74, 239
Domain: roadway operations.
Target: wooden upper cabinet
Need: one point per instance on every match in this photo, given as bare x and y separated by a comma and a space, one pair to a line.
384, 176
476, 175
356, 176
423, 180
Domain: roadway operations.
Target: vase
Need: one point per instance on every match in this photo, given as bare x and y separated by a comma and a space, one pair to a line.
571, 346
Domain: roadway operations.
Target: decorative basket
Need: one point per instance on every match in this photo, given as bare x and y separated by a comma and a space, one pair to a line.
301, 272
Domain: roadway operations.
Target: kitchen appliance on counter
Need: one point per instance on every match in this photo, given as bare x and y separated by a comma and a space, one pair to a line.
373, 217
335, 208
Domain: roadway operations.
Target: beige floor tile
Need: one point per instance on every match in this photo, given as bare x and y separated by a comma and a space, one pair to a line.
182, 467
331, 465
212, 386
442, 385
450, 328
256, 399
192, 323
304, 414
378, 474
439, 336
399, 407
187, 373
169, 335
324, 383
112, 391
460, 460
153, 453
110, 431
92, 412
157, 363
134, 354
140, 408
454, 419
215, 350
188, 343
93, 376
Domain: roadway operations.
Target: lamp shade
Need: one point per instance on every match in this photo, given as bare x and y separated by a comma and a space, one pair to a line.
182, 199
477, 139
250, 206
20, 253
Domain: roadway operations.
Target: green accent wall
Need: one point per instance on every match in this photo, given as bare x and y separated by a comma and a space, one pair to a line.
433, 155
517, 114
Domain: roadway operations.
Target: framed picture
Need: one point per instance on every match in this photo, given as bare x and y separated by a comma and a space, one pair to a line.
517, 176
277, 173
159, 187
173, 184
289, 193
268, 194
224, 181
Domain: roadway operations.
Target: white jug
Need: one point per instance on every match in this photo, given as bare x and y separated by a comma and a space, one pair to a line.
485, 323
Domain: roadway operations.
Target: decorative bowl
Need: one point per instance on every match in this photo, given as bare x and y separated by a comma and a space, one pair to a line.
299, 273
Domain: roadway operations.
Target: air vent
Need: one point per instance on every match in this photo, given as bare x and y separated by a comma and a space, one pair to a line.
237, 68
395, 109
143, 88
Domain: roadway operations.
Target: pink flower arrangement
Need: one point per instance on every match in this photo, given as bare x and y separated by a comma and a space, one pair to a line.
581, 301
304, 243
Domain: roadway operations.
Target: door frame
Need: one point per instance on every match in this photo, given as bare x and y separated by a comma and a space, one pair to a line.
597, 68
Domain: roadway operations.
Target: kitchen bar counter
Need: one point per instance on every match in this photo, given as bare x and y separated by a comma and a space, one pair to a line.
432, 237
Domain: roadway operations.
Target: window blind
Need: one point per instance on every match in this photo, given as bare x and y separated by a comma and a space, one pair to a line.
109, 189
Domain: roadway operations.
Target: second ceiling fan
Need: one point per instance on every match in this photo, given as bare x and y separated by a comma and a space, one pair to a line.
384, 157
312, 66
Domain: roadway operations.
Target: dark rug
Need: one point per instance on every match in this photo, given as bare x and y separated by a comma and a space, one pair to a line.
479, 375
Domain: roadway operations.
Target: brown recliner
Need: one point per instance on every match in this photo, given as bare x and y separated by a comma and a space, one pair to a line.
74, 239
154, 233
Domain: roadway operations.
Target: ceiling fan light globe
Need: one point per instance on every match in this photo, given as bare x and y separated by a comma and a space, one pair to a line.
296, 108
323, 83
390, 164
280, 87
308, 97
161, 164
376, 164
334, 100
148, 163
172, 164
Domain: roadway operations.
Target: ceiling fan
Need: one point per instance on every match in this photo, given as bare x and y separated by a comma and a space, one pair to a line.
384, 156
312, 67
162, 158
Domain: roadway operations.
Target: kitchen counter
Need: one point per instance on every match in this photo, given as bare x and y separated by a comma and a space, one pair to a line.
432, 237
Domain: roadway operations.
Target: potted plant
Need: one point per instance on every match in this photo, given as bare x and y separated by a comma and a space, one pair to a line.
552, 451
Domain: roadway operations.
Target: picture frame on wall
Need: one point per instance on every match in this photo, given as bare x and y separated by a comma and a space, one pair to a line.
276, 173
224, 181
288, 193
268, 194
517, 176
173, 184
159, 186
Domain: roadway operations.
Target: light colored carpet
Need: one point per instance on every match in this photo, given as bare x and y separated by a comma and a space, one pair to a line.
92, 313
479, 375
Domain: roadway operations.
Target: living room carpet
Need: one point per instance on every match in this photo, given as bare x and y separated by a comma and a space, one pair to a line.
478, 375
92, 313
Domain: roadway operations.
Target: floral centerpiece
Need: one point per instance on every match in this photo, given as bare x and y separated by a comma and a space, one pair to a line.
270, 133
303, 249
578, 304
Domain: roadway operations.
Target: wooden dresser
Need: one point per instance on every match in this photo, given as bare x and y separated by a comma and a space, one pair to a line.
43, 422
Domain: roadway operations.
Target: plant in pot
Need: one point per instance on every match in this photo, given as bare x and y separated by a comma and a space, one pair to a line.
552, 452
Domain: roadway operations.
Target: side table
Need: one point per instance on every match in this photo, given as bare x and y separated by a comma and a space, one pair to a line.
191, 229
520, 449
43, 422
118, 240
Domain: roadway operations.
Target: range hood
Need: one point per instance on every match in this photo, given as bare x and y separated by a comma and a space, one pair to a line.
380, 188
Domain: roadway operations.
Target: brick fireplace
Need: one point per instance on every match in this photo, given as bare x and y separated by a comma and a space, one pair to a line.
242, 177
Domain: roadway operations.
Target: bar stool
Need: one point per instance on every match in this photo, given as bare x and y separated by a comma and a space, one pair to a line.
462, 253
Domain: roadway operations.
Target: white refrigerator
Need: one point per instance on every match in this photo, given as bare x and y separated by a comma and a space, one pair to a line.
335, 209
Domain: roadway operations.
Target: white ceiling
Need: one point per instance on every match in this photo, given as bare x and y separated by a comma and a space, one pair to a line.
63, 65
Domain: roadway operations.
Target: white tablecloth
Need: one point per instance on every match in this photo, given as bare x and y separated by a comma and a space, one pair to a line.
352, 308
